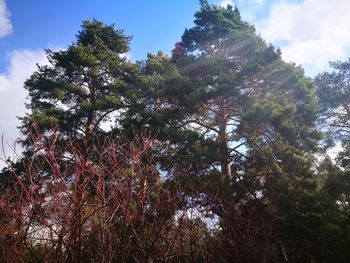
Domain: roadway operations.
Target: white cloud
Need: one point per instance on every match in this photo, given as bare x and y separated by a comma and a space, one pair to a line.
225, 3
5, 23
309, 32
22, 63
251, 3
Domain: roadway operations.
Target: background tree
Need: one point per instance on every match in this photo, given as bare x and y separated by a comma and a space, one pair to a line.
333, 97
332, 90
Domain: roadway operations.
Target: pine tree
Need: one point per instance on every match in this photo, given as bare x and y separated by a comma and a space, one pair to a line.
83, 85
241, 93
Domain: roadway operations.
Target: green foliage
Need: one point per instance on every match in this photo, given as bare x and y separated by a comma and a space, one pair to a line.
82, 85
333, 100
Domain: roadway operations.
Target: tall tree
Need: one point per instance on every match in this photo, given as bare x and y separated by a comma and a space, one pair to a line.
76, 93
239, 90
259, 111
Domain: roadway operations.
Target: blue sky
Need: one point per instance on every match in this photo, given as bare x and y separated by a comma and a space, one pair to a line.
154, 24
38, 24
309, 32
158, 24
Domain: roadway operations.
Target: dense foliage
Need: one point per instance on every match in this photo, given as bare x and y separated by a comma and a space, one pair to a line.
208, 155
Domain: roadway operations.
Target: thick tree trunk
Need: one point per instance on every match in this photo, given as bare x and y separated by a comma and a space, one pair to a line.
222, 139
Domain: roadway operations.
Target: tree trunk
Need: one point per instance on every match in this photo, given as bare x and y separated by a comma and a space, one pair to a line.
76, 231
89, 123
222, 139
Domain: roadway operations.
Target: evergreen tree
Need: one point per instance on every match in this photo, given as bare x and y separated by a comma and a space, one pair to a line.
333, 100
240, 92
333, 109
83, 85
257, 109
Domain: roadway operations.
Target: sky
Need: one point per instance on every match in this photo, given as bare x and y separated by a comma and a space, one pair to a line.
310, 33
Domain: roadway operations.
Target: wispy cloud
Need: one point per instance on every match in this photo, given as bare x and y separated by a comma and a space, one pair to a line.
309, 32
5, 23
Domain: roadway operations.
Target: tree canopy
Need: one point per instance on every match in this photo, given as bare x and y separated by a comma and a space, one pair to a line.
84, 84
